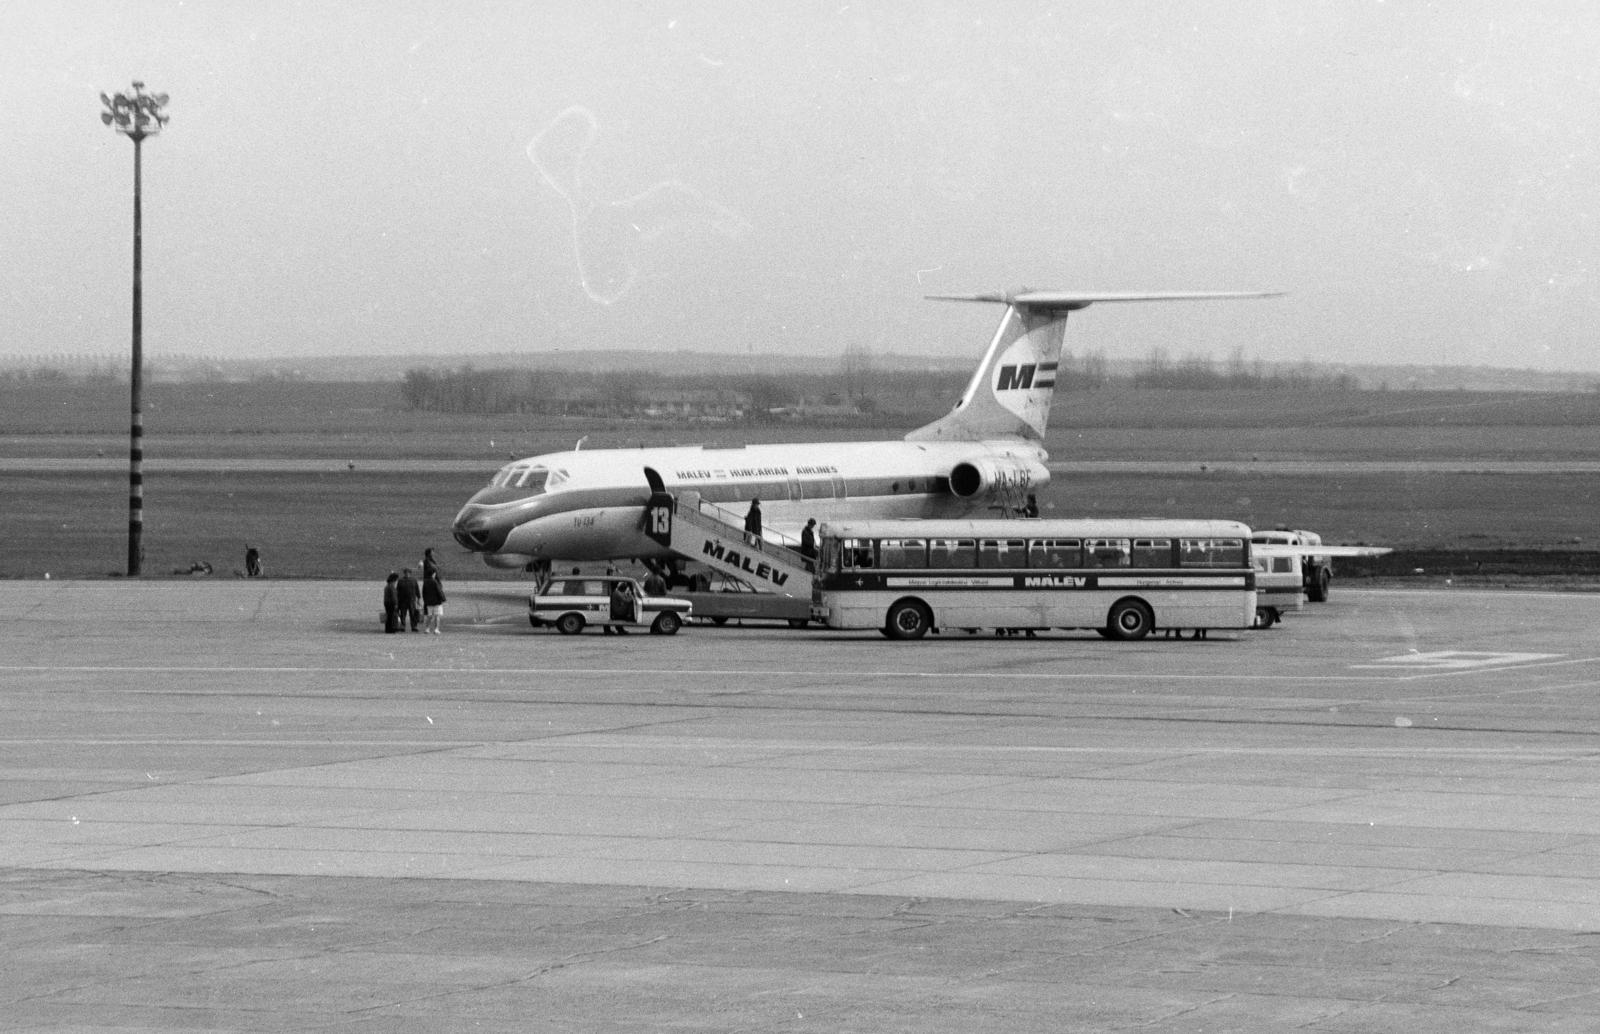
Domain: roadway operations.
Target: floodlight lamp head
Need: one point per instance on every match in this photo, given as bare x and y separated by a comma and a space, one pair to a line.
137, 116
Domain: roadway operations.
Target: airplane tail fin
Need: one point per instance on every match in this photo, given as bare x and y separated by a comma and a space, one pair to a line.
1010, 394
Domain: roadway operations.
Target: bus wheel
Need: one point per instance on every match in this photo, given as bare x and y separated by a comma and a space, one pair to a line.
908, 619
1129, 619
1319, 586
569, 624
666, 623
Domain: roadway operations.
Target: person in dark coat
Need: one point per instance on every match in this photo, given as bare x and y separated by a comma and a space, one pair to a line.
752, 523
432, 593
391, 603
622, 604
252, 562
408, 594
808, 540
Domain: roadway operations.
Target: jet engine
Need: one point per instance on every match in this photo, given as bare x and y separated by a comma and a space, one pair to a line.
991, 475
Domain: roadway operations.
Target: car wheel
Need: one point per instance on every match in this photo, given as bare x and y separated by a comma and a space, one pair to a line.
1320, 585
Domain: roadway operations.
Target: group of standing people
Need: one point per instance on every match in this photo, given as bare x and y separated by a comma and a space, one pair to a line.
406, 601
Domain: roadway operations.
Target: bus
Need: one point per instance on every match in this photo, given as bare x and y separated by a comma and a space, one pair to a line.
1280, 585
1316, 569
1121, 578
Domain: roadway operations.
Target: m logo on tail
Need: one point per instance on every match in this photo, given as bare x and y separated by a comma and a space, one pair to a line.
1021, 377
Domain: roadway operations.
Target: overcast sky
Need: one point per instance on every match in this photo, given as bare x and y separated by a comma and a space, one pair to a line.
396, 176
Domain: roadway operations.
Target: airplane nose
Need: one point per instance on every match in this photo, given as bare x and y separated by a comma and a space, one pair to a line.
476, 531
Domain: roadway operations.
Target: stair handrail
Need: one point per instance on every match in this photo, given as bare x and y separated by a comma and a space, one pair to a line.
735, 521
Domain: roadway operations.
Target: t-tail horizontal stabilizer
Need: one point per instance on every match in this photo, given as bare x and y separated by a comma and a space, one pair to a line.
1010, 394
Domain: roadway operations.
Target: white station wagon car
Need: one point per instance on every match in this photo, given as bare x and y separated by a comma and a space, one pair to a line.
571, 603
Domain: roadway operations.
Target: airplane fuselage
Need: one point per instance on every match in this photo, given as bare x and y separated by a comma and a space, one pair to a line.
983, 456
590, 506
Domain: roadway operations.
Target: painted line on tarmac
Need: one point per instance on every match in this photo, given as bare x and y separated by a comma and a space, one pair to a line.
222, 669
1485, 670
578, 742
1434, 590
145, 741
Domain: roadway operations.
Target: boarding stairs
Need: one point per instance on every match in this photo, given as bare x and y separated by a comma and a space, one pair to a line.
703, 532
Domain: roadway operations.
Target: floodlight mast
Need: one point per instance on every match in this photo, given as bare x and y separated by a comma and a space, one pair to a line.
136, 117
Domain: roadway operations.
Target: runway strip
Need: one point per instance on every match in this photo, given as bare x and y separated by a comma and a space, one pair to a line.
1386, 762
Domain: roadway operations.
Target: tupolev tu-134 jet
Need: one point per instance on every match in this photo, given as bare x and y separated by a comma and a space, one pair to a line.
985, 454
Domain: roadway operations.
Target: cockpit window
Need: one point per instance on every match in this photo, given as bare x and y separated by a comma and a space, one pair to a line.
557, 477
526, 476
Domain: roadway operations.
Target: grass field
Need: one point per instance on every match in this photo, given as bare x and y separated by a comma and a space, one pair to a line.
359, 524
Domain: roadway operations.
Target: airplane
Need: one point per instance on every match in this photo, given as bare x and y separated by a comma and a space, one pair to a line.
986, 454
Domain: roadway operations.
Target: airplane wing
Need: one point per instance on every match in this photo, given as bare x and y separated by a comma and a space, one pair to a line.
1070, 300
1281, 549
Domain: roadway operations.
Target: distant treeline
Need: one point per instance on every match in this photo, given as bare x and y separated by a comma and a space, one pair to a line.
704, 396
1201, 373
49, 375
858, 387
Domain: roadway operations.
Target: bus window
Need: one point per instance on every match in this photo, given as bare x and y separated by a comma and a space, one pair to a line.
952, 553
902, 553
854, 554
1152, 553
1055, 553
1105, 552
830, 556
1002, 553
1211, 552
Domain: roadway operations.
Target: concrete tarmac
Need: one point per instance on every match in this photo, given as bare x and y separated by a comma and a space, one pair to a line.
237, 805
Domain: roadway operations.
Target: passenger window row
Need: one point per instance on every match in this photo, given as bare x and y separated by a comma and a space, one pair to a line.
1048, 554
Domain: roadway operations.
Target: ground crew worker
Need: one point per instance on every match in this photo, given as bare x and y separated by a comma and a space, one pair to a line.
622, 603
